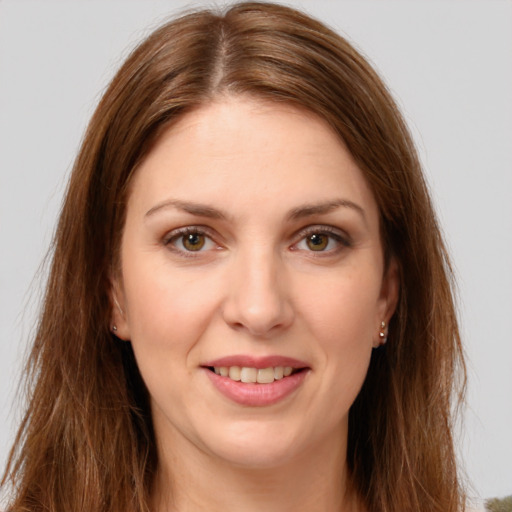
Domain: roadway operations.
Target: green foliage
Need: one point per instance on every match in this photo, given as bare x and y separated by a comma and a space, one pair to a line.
497, 505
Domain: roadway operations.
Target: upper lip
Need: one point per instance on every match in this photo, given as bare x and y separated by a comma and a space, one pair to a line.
256, 362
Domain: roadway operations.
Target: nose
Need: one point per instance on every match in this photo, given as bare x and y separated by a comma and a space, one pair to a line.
258, 299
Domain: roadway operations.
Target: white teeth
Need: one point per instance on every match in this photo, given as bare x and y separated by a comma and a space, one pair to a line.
265, 375
234, 372
253, 375
248, 374
278, 372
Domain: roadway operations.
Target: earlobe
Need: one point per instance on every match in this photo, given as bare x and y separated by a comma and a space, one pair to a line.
118, 322
388, 301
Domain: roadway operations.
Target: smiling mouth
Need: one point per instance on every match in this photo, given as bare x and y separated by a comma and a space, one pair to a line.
255, 375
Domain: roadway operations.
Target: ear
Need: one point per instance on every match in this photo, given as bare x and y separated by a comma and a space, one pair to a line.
388, 300
118, 322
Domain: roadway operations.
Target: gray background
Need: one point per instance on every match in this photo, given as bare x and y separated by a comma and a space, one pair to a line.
449, 64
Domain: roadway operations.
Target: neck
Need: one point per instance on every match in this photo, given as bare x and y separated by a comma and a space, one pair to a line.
189, 480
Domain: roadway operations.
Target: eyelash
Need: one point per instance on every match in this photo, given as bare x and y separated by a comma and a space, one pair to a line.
342, 240
180, 233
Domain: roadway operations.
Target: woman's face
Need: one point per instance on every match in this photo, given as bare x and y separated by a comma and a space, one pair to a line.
251, 249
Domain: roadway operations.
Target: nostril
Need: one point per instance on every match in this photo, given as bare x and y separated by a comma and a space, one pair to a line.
257, 305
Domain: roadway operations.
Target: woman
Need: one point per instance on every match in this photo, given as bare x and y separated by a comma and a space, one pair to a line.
245, 227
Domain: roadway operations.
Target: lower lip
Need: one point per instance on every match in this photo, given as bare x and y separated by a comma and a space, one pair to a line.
257, 395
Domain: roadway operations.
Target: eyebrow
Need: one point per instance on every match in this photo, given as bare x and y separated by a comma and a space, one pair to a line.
322, 208
308, 210
200, 210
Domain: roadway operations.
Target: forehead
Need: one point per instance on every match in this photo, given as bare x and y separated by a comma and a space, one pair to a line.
251, 152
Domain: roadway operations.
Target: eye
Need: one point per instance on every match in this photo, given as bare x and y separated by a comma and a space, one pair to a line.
317, 241
322, 239
193, 241
190, 240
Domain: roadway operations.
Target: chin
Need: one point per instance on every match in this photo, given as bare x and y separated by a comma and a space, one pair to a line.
255, 457
253, 445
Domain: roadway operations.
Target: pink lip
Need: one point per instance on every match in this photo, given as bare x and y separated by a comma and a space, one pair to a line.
254, 394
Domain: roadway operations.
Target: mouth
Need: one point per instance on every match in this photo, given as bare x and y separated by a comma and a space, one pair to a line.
248, 375
256, 381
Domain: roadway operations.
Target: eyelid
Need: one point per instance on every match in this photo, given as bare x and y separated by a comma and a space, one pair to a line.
340, 236
186, 230
337, 234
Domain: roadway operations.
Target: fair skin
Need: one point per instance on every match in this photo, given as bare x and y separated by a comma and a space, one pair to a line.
252, 235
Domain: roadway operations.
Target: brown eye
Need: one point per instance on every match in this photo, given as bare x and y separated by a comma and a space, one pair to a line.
317, 241
193, 241
189, 240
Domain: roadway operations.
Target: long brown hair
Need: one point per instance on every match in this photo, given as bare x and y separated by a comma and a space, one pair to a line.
86, 442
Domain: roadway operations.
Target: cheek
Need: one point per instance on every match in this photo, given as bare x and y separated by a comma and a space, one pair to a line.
167, 315
341, 315
344, 307
167, 309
